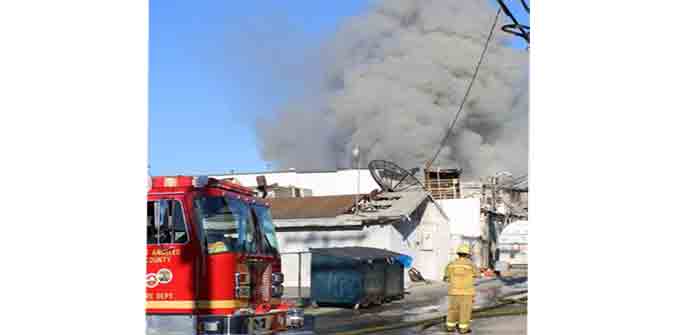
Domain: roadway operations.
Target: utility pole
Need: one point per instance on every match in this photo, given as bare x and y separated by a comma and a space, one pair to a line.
494, 182
492, 222
356, 159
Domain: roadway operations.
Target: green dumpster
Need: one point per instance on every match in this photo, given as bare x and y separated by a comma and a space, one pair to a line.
355, 276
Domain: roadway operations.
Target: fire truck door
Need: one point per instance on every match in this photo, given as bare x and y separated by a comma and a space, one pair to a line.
171, 257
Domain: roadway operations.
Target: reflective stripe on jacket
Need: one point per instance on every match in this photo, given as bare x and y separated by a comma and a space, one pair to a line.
460, 274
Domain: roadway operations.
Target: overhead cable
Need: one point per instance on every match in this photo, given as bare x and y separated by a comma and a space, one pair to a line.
466, 94
516, 28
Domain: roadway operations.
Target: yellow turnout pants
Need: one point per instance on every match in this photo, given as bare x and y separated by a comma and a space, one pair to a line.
459, 312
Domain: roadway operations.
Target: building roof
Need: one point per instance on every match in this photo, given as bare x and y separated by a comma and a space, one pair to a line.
310, 207
291, 170
389, 206
333, 222
327, 211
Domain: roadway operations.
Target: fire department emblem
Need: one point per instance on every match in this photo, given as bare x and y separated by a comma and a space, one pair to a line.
151, 280
164, 276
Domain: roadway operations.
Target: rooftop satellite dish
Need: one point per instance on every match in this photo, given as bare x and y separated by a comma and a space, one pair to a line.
393, 178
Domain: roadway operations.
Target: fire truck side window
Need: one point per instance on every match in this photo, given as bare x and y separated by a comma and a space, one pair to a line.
269, 238
251, 236
165, 222
151, 224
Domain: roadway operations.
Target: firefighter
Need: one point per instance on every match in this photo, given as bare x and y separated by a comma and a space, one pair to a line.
460, 275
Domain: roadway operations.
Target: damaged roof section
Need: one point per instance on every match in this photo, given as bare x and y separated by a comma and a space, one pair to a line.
387, 206
339, 210
310, 207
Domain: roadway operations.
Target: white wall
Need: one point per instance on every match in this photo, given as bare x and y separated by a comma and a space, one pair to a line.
441, 248
408, 238
320, 183
465, 226
295, 241
426, 238
403, 238
464, 216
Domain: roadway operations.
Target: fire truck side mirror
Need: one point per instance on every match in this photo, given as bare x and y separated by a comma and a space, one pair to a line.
262, 181
262, 185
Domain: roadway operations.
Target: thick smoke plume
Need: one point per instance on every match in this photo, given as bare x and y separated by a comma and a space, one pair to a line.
391, 81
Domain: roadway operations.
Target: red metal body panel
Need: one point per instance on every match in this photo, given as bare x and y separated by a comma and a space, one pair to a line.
218, 284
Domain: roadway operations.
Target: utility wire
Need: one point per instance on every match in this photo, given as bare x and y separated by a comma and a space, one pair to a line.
517, 180
516, 28
466, 94
514, 182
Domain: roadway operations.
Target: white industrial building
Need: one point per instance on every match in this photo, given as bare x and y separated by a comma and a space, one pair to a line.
465, 206
321, 183
405, 222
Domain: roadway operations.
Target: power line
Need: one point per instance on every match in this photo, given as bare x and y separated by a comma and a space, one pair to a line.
466, 94
516, 28
515, 181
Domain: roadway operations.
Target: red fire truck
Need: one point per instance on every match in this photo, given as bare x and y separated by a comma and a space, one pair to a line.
213, 265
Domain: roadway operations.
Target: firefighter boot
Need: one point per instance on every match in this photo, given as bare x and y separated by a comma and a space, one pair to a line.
464, 330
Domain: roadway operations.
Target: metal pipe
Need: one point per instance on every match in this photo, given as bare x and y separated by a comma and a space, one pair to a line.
299, 277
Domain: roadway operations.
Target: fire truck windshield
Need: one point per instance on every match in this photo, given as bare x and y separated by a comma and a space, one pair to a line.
225, 223
231, 225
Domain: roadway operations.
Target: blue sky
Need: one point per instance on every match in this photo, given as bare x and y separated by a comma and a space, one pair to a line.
205, 92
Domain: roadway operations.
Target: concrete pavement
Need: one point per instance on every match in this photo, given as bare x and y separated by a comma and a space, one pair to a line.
424, 301
505, 325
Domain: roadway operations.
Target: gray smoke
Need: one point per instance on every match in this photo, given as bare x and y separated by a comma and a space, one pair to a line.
391, 81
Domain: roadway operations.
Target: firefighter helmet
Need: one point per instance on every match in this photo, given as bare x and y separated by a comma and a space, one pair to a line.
464, 249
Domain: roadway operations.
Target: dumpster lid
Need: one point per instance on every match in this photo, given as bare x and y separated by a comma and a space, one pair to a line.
357, 253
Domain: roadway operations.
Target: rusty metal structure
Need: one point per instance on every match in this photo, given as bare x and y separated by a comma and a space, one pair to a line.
443, 183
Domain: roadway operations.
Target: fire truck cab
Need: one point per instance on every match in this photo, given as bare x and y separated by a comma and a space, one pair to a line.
213, 263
